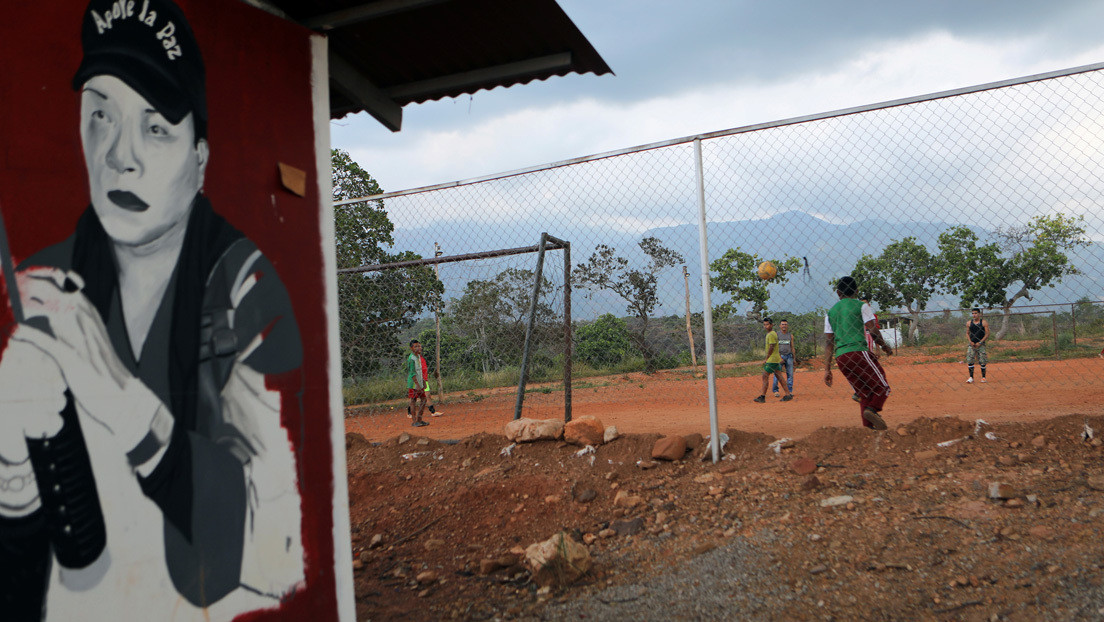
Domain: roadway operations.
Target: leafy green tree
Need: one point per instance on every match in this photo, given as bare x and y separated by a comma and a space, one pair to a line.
905, 275
373, 307
492, 315
603, 342
1021, 260
737, 274
606, 271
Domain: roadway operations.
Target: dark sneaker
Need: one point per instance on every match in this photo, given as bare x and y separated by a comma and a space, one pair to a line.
874, 419
786, 398
761, 399
420, 424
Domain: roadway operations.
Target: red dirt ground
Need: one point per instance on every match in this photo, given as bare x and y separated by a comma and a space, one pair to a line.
674, 402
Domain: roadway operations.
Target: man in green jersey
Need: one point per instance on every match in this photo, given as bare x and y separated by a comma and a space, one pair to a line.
417, 375
845, 329
773, 365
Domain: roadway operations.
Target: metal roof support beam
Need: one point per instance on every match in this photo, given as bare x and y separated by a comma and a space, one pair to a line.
345, 77
471, 79
364, 12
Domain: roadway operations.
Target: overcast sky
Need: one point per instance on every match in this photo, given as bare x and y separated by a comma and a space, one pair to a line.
697, 66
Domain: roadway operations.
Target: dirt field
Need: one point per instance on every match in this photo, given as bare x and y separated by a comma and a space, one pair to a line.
674, 402
438, 529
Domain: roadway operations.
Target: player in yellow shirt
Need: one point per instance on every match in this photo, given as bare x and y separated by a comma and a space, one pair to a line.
773, 365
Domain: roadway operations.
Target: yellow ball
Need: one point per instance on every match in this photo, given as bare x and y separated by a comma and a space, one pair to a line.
767, 271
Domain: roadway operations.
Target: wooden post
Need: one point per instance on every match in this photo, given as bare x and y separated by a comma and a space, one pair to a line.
689, 331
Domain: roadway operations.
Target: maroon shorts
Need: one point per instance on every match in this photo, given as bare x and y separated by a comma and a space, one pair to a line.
415, 394
867, 378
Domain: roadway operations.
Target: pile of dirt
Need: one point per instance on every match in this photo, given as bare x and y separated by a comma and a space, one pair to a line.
937, 519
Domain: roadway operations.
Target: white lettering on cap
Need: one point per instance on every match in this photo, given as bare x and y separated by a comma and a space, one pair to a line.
124, 9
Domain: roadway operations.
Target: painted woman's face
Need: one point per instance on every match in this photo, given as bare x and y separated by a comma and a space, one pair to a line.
143, 172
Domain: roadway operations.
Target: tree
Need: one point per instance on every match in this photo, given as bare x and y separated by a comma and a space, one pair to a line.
1021, 260
605, 271
373, 307
737, 274
493, 316
905, 275
604, 342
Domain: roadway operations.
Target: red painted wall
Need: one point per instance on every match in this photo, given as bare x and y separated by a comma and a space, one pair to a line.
259, 98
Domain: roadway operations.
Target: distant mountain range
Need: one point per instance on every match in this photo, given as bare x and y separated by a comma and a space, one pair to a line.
831, 250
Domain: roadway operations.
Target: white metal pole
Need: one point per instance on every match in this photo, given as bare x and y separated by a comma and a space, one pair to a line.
707, 310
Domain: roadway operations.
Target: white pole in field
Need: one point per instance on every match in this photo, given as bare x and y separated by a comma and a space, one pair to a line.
707, 308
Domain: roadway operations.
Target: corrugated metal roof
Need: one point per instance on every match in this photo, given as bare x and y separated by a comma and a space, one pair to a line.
389, 53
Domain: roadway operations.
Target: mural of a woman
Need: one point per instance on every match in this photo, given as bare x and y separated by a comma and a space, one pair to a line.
166, 329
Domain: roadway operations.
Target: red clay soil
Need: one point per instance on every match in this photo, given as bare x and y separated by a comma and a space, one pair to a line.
438, 529
675, 402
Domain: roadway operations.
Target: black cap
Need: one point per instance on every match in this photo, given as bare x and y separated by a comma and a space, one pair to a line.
149, 45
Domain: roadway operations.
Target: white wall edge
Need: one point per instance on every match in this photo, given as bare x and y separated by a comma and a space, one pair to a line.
343, 551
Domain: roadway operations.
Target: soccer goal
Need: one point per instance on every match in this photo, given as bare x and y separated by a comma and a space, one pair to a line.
486, 320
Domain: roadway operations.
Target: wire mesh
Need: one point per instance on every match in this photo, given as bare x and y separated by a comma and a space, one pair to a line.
990, 198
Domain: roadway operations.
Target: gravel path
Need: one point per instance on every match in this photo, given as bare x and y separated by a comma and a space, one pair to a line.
732, 582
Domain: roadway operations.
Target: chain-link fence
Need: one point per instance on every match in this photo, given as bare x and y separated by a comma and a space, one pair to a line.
989, 197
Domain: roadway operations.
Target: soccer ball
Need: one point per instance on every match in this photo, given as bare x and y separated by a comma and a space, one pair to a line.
767, 271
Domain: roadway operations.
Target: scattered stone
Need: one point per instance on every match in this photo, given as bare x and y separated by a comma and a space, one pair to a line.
647, 464
818, 569
552, 499
585, 495
422, 441
354, 440
693, 441
466, 463
1007, 461
838, 500
434, 544
704, 547
1014, 503
427, 576
716, 491
624, 499
725, 469
628, 527
705, 478
487, 566
811, 483
610, 434
607, 533
403, 438
803, 466
525, 430
1039, 441
929, 454
589, 538
903, 431
1042, 532
1096, 512
375, 541
1096, 482
364, 557
1000, 490
357, 564
669, 448
583, 431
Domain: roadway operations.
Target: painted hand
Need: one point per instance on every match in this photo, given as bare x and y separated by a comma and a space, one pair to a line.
102, 386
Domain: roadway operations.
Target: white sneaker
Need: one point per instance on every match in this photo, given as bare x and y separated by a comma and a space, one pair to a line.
776, 394
983, 378
970, 380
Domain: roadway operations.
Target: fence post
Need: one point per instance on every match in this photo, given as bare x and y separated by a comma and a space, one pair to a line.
437, 326
707, 309
1054, 325
1073, 316
567, 331
689, 331
529, 329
